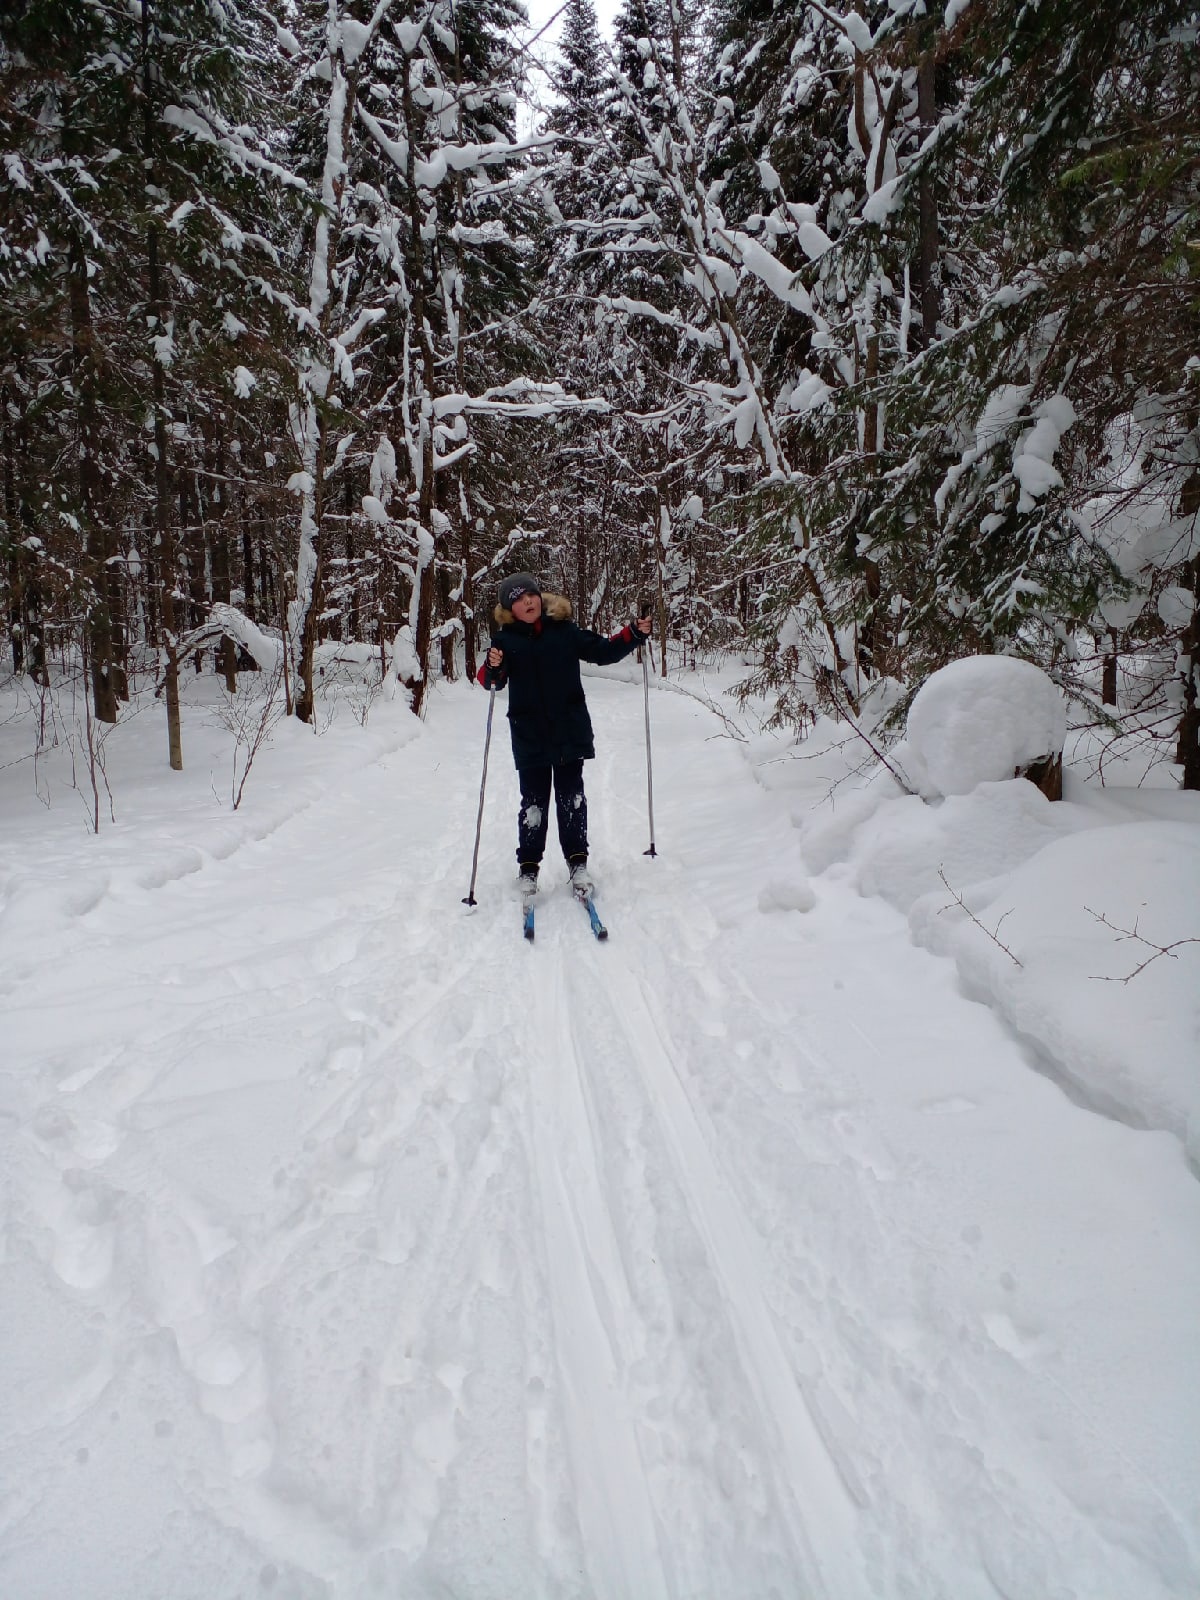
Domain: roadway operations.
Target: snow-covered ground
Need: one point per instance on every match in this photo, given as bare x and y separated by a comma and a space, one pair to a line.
352, 1246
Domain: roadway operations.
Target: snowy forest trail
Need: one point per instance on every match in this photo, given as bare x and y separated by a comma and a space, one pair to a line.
354, 1246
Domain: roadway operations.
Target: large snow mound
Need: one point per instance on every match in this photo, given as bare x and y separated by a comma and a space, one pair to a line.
980, 719
1089, 951
1053, 914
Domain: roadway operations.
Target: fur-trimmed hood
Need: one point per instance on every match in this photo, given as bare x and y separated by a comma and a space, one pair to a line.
555, 608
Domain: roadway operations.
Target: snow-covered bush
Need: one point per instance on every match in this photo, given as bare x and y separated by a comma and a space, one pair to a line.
979, 720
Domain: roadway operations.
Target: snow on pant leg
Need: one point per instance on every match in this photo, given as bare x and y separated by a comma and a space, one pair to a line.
534, 815
571, 804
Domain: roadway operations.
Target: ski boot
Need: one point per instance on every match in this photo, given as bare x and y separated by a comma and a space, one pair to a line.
582, 884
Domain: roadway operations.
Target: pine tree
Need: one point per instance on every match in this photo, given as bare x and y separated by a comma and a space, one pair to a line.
427, 205
128, 190
1058, 474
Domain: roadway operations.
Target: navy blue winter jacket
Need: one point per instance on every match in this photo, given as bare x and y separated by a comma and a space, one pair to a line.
547, 713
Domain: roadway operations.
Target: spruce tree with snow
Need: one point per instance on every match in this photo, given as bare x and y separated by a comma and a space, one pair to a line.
66, 211
133, 191
577, 117
923, 340
572, 495
637, 343
412, 266
1061, 476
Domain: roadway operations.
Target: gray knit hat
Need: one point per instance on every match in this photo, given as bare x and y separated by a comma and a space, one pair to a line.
515, 586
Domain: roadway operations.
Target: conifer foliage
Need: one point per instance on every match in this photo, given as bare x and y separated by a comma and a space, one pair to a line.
859, 337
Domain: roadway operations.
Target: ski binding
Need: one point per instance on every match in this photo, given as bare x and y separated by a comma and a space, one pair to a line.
589, 905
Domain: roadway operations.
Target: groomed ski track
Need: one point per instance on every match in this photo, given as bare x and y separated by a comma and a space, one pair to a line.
393, 1255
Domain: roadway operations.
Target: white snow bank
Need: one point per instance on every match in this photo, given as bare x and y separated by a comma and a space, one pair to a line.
787, 894
1063, 887
760, 1264
972, 838
166, 826
981, 719
1126, 1041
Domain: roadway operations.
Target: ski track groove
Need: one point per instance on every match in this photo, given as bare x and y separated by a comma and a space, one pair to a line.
592, 1309
493, 1135
814, 1499
402, 1055
601, 1332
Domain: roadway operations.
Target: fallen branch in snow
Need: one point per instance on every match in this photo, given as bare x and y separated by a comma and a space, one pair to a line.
1132, 933
732, 729
896, 772
226, 621
963, 906
851, 720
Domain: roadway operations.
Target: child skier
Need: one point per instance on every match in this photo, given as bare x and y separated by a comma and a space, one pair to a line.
536, 651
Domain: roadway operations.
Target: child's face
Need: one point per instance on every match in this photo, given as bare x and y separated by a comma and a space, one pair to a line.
528, 608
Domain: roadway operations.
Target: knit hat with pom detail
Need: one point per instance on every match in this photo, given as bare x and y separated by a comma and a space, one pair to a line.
515, 586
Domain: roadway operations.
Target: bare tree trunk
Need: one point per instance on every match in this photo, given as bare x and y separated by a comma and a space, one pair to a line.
426, 561
162, 477
99, 619
16, 585
306, 688
1187, 751
354, 621
927, 203
191, 527
1046, 775
33, 618
447, 639
311, 569
469, 615
219, 550
581, 572
284, 598
249, 597
676, 12
152, 582
871, 428
874, 650
421, 607
1108, 679
860, 103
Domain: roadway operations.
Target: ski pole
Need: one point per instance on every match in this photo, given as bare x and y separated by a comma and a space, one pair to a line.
644, 611
469, 897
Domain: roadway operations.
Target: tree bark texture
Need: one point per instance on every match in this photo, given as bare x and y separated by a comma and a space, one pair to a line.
927, 272
99, 623
164, 540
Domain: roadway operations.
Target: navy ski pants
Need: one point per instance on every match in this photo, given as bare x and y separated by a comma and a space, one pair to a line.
534, 816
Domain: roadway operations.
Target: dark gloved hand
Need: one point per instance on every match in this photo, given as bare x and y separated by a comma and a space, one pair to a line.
493, 669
